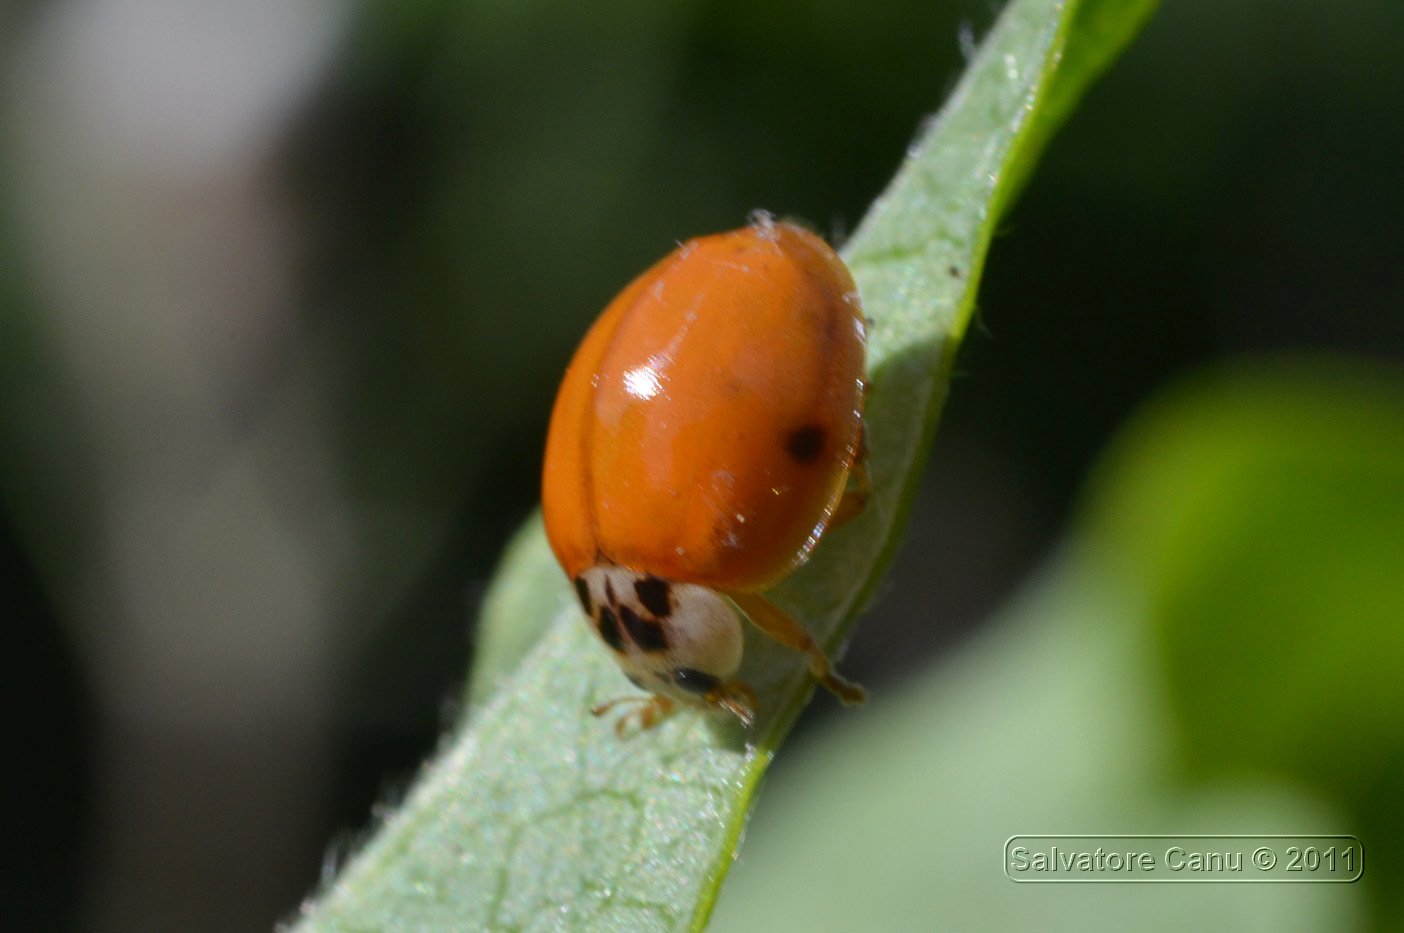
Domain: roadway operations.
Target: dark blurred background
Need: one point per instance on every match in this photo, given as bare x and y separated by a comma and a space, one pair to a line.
285, 291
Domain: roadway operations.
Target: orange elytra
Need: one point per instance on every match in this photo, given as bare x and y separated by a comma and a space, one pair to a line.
707, 433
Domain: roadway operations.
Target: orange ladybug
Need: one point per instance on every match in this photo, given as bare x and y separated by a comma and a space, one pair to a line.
702, 442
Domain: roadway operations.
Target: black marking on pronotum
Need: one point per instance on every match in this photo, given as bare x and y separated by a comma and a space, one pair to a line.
695, 681
582, 592
654, 594
646, 633
805, 444
636, 682
609, 593
609, 629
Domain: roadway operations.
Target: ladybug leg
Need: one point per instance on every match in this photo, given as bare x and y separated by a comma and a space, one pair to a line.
737, 699
649, 711
775, 622
855, 497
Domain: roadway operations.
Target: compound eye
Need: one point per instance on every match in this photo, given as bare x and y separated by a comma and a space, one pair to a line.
695, 681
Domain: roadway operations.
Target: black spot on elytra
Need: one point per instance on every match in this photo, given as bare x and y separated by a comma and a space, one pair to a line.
582, 592
646, 633
695, 681
608, 625
804, 445
655, 595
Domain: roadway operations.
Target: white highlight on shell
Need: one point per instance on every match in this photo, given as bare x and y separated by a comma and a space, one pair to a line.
642, 382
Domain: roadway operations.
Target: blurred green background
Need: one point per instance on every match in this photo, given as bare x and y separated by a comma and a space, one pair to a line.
285, 291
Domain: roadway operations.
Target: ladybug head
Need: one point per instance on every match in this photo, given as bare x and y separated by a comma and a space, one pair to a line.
678, 640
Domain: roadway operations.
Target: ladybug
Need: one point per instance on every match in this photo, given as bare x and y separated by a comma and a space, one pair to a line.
706, 434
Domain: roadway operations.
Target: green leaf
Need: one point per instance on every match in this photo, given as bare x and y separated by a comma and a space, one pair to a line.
526, 594
537, 815
1263, 514
1217, 649
1262, 517
1048, 722
1097, 34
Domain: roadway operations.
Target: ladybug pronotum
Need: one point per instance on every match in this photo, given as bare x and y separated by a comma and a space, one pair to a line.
707, 433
